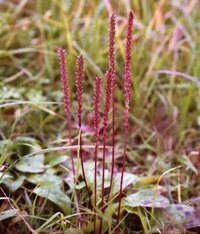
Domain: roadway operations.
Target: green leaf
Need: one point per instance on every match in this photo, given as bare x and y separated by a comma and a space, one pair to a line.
148, 180
16, 183
178, 214
56, 160
127, 180
89, 227
33, 164
8, 214
146, 198
89, 172
26, 145
5, 150
47, 178
193, 222
12, 183
5, 145
35, 95
5, 177
81, 185
54, 194
9, 93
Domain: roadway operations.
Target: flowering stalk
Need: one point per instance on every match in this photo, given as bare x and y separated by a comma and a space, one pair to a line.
109, 79
65, 85
111, 45
127, 90
96, 101
79, 92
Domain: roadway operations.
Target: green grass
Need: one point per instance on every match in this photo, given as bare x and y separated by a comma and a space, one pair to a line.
165, 108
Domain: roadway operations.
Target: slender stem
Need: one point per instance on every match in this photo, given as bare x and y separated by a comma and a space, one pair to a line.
79, 92
127, 91
122, 175
103, 181
96, 102
95, 172
103, 173
95, 179
83, 170
113, 146
65, 85
109, 80
76, 197
71, 155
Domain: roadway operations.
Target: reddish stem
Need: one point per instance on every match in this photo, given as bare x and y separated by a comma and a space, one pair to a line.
96, 101
110, 84
65, 85
79, 87
112, 67
109, 79
127, 89
83, 171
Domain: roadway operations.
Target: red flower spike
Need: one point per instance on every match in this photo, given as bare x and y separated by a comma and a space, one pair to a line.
79, 86
65, 85
111, 42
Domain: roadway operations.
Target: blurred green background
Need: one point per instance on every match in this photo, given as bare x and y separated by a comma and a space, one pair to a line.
166, 37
